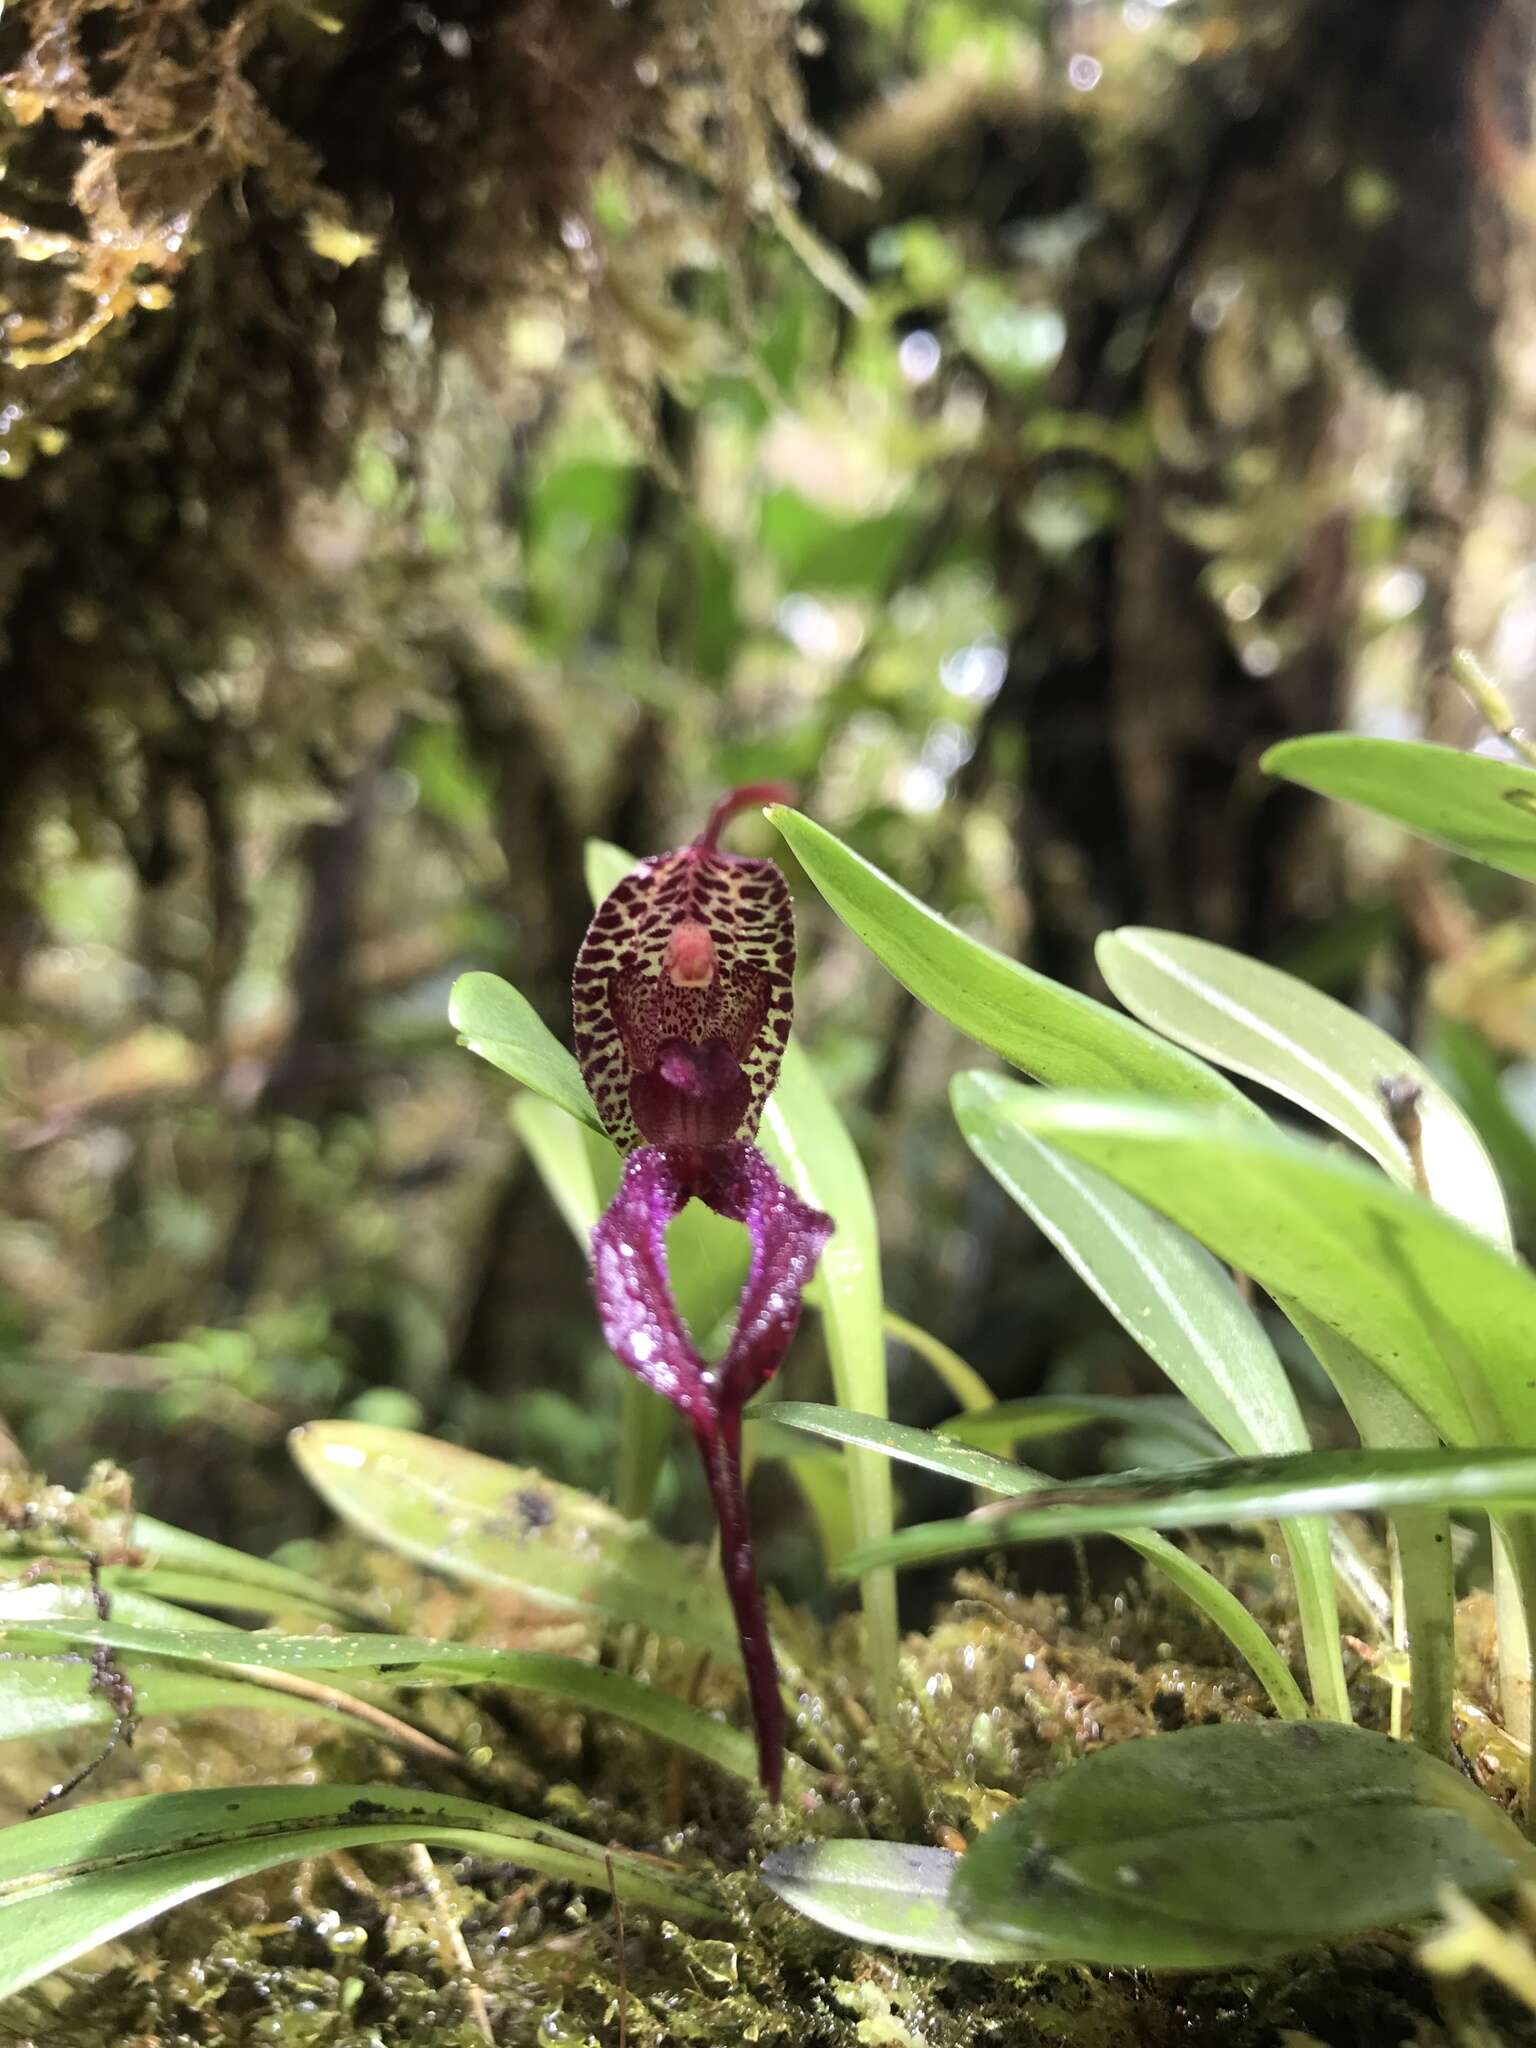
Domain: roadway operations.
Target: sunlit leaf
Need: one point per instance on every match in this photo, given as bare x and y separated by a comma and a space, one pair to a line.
71, 1881
1472, 804
809, 1144
473, 1518
51, 1695
1036, 1024
1006, 1423
1273, 1028
1449, 1319
891, 1894
1000, 1475
1219, 1491
493, 1020
408, 1663
1185, 1312
1233, 1844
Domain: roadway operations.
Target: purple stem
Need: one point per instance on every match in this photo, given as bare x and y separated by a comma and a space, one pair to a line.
718, 1436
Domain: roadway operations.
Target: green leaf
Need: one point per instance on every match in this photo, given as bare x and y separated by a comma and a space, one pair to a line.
1471, 804
1185, 1312
809, 1145
1219, 1491
962, 1381
473, 1518
1226, 1846
999, 1475
1312, 1050
1034, 1023
1006, 1423
71, 1881
407, 1663
1447, 1318
493, 1020
181, 1566
49, 1695
890, 1894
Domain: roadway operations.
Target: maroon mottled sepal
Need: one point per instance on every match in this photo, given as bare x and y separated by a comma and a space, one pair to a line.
681, 995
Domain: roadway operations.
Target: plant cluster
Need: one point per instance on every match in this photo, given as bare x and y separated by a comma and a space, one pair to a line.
1223, 1845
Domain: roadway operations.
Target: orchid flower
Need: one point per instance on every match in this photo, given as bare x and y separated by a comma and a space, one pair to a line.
682, 1004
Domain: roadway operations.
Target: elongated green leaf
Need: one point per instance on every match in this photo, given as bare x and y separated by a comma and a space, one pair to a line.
1223, 1490
1000, 1475
71, 1881
476, 1519
493, 1020
1273, 1028
1446, 1317
413, 1662
1229, 1845
51, 1695
1007, 1423
174, 1559
1033, 1022
1187, 1315
809, 1145
1469, 803
960, 1380
891, 1894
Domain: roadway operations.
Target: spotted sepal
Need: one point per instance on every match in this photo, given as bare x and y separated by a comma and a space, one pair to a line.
682, 997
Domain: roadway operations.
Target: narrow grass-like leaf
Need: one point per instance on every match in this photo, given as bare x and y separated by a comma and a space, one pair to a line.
960, 1380
1185, 1312
1034, 1023
1471, 804
71, 1881
1317, 1053
475, 1519
51, 1695
1226, 1846
1219, 1491
493, 1020
1006, 1423
809, 1144
174, 1558
889, 1894
1000, 1475
1449, 1319
410, 1663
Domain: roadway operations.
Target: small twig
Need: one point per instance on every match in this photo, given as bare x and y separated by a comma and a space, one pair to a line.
1400, 1098
398, 1732
451, 1945
1490, 700
110, 1680
618, 1915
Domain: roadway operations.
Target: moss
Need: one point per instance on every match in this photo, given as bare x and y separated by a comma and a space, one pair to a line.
230, 232
353, 1952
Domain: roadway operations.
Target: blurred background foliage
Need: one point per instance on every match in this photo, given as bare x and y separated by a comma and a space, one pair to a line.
434, 437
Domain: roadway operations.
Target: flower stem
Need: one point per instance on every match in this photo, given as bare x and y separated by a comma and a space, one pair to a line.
718, 1436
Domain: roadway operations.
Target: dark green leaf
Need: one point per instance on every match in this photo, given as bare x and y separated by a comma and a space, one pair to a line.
1230, 1845
70, 1881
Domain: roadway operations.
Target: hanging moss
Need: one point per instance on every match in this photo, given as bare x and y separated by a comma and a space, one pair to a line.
227, 232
